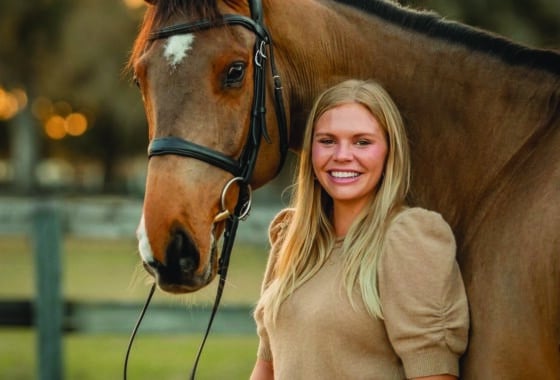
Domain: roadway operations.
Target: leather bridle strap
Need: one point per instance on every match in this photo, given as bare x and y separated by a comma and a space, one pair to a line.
196, 26
244, 166
172, 145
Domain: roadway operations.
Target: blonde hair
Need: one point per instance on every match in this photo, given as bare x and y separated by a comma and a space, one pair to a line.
310, 237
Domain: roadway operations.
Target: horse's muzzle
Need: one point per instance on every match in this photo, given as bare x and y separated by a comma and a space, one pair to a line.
179, 273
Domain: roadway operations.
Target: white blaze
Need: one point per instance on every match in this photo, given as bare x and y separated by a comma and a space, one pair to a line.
177, 48
143, 242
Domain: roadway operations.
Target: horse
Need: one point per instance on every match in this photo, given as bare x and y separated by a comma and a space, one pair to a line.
482, 113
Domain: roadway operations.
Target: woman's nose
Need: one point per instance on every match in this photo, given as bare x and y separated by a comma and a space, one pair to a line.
343, 152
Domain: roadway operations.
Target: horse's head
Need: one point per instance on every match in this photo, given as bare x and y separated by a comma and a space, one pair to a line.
201, 71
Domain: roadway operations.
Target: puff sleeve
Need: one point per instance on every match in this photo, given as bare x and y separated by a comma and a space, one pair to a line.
276, 232
422, 294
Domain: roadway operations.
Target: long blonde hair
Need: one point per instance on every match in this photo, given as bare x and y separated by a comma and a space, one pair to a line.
310, 237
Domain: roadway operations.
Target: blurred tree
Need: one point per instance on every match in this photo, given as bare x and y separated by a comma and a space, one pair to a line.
73, 52
94, 46
29, 31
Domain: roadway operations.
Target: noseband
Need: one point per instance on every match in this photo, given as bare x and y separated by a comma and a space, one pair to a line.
241, 168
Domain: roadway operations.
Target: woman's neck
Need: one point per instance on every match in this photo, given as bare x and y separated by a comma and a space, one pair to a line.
343, 217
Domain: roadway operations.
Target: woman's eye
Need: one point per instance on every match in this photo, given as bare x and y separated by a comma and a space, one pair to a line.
363, 142
326, 141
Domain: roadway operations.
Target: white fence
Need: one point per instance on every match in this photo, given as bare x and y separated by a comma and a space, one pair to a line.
111, 217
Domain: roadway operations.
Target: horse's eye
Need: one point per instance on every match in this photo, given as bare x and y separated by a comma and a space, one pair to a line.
235, 74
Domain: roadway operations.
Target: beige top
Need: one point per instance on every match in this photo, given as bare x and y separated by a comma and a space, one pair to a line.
318, 335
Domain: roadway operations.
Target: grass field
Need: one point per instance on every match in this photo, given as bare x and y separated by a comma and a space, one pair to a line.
100, 357
110, 270
95, 270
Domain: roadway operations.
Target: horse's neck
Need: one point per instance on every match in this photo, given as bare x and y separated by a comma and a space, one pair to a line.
467, 113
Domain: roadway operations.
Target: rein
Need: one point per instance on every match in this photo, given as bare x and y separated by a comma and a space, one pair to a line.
242, 168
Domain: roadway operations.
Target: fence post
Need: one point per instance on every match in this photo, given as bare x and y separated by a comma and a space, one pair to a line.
47, 237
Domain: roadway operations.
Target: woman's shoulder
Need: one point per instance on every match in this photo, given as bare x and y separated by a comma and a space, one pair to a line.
419, 227
418, 217
279, 224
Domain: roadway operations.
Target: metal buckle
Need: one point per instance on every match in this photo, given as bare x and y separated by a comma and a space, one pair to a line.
244, 211
260, 55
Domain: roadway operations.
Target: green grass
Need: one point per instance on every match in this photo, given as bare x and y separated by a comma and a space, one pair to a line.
108, 270
100, 357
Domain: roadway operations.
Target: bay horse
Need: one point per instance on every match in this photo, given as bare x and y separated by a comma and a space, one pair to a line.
482, 114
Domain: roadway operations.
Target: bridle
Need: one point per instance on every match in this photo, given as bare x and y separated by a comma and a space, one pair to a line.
241, 168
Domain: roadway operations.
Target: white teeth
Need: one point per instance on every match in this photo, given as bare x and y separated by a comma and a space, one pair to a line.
344, 174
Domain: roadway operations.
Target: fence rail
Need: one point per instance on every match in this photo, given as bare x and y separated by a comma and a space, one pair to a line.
111, 217
118, 317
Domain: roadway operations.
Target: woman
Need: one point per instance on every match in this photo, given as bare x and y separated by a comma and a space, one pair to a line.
358, 285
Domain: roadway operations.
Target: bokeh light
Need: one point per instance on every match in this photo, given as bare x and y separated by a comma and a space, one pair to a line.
133, 4
21, 97
58, 118
76, 124
11, 102
55, 127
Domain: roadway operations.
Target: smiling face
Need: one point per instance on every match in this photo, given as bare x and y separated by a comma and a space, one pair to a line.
349, 149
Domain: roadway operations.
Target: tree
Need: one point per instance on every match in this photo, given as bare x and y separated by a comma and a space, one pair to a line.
28, 31
75, 52
96, 39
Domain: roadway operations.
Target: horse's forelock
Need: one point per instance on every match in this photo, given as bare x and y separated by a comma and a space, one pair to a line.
162, 11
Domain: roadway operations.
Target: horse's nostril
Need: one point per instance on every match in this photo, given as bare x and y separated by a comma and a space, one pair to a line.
181, 255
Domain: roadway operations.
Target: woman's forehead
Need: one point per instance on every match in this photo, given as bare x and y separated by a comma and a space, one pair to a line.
353, 118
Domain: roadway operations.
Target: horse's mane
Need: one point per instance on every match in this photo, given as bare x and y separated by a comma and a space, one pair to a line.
433, 25
428, 23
